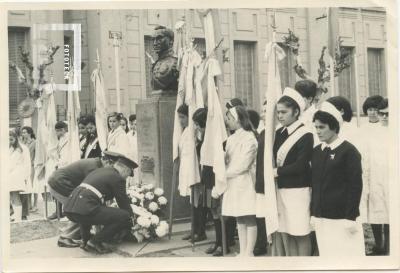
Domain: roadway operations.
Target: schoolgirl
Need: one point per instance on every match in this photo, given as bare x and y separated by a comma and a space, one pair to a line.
239, 198
336, 187
19, 173
117, 140
292, 152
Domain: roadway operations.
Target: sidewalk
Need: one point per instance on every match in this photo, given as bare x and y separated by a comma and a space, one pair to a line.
176, 247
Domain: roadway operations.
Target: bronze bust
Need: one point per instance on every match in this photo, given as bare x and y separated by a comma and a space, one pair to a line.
165, 73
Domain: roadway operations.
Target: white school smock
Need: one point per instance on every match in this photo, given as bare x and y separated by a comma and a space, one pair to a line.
239, 199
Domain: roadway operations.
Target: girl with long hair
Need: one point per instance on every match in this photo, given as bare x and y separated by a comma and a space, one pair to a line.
240, 196
19, 173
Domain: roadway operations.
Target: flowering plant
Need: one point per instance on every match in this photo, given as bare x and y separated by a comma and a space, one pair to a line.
147, 204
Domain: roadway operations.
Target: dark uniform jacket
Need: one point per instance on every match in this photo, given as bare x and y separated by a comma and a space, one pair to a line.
295, 171
95, 150
336, 182
109, 183
207, 176
65, 180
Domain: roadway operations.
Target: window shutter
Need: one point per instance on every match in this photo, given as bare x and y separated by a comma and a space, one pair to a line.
347, 83
245, 71
376, 72
17, 92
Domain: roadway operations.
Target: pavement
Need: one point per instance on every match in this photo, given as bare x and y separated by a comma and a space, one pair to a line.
163, 247
32, 247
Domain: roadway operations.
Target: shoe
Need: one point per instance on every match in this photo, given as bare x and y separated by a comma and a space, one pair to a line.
66, 242
218, 252
199, 238
211, 249
33, 210
98, 248
52, 217
258, 251
187, 236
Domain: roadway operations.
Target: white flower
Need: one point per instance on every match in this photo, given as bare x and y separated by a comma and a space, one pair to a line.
154, 219
153, 206
158, 191
134, 200
144, 221
162, 200
161, 232
148, 186
149, 195
136, 194
162, 229
164, 224
140, 211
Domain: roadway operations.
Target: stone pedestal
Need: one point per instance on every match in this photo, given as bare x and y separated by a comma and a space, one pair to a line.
155, 125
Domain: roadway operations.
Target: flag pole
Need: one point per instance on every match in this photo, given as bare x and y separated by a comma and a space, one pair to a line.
356, 87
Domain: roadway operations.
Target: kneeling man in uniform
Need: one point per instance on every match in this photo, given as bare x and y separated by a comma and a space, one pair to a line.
86, 204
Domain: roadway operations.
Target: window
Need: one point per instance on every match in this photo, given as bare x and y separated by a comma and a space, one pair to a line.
376, 72
148, 47
17, 37
286, 70
347, 82
245, 71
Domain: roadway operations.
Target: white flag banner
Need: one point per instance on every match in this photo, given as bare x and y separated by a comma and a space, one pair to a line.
274, 90
101, 108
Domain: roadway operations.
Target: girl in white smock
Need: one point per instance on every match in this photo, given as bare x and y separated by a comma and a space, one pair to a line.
239, 199
19, 173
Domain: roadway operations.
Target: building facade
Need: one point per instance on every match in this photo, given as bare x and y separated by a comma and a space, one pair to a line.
245, 33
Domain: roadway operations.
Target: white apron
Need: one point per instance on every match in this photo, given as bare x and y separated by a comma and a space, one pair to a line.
334, 240
293, 204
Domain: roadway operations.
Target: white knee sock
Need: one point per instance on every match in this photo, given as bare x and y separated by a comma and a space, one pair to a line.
242, 232
251, 240
17, 213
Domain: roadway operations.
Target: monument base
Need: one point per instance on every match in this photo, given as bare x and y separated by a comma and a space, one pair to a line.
155, 125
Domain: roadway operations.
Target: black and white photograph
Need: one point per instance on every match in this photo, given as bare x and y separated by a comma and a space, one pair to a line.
221, 134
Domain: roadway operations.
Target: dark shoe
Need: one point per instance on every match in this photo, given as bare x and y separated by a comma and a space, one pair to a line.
218, 252
98, 248
258, 251
199, 238
211, 249
24, 218
66, 242
187, 236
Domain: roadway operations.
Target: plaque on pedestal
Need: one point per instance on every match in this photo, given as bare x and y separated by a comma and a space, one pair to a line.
155, 124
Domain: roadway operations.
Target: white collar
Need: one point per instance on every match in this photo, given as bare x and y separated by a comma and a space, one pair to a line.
333, 145
293, 126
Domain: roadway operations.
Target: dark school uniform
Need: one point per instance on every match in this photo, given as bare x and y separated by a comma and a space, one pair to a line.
336, 194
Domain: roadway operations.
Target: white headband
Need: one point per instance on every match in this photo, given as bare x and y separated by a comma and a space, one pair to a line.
234, 113
289, 92
330, 109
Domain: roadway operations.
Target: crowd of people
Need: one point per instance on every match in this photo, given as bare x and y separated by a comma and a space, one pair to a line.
25, 188
331, 177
